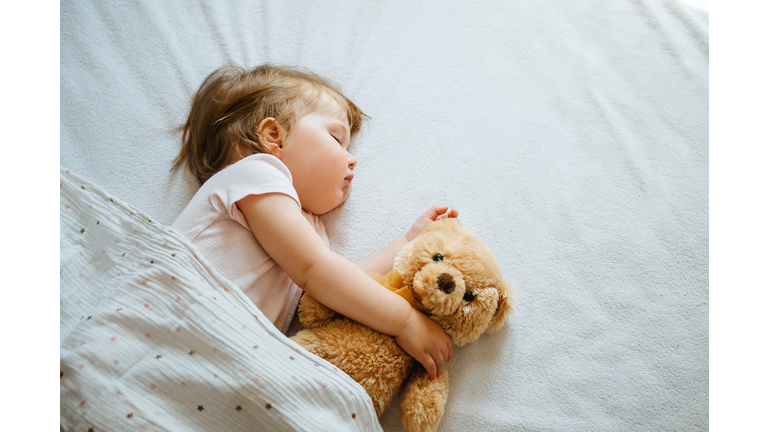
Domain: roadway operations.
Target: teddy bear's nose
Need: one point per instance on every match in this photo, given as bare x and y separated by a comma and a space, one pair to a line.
445, 283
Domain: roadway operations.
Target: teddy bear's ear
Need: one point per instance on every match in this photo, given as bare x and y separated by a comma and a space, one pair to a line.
504, 307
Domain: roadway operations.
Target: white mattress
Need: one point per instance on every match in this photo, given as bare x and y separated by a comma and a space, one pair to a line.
571, 136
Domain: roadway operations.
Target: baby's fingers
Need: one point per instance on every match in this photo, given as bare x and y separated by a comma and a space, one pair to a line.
448, 214
435, 212
440, 366
430, 366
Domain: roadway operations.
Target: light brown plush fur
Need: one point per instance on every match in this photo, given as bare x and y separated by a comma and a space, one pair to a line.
440, 267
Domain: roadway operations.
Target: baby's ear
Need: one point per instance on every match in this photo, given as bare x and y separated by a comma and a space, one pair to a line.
271, 135
504, 306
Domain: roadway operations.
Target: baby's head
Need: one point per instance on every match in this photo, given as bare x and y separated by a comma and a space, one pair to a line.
239, 112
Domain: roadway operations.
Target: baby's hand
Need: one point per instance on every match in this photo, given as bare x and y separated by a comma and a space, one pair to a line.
434, 214
426, 342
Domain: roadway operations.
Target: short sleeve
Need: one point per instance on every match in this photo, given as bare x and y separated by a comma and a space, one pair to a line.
254, 175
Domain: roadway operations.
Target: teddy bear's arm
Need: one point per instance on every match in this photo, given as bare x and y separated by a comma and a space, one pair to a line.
313, 314
423, 402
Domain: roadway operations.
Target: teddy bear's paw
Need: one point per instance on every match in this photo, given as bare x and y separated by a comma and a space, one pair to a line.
423, 403
313, 314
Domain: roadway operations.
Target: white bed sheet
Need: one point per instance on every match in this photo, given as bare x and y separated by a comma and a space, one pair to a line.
571, 136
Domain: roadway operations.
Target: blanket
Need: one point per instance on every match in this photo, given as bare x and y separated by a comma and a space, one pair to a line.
572, 136
152, 338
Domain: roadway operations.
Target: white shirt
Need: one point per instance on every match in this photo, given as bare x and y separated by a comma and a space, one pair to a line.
214, 224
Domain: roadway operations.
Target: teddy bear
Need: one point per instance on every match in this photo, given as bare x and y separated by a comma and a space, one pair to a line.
446, 273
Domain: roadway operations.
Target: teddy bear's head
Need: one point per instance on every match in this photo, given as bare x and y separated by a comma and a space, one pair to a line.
456, 280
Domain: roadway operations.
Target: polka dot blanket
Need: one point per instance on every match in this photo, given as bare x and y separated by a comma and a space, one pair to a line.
152, 338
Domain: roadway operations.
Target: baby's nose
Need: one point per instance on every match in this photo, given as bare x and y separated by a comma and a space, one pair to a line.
352, 162
445, 283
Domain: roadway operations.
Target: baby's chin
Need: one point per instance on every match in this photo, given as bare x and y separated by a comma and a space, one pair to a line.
343, 200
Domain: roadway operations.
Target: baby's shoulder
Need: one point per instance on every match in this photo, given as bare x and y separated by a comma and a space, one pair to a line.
253, 170
260, 162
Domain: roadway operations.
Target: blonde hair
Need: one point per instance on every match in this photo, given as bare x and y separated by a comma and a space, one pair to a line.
231, 103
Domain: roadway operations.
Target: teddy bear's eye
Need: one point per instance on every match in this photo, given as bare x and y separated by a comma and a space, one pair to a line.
468, 296
438, 257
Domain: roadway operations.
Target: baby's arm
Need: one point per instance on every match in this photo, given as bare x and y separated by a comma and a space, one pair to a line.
381, 263
281, 229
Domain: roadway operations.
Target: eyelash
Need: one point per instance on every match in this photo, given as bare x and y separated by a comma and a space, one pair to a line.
337, 140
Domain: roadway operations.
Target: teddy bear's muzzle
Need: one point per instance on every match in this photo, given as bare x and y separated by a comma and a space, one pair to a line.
439, 289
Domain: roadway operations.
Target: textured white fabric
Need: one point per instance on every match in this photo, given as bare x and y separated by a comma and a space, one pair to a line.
217, 228
572, 136
152, 338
